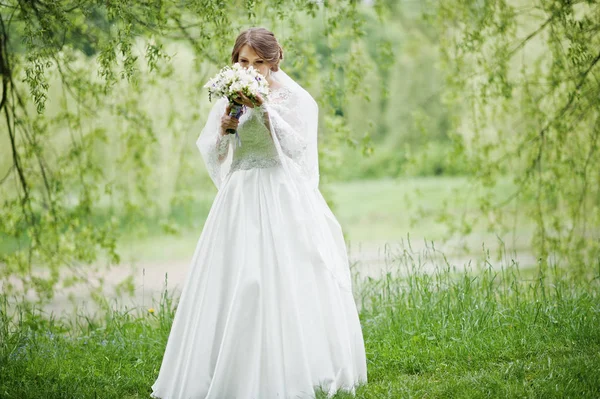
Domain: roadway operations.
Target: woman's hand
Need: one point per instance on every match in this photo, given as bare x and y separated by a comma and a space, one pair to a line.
245, 100
228, 122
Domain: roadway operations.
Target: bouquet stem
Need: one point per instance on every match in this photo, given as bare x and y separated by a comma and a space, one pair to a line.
236, 112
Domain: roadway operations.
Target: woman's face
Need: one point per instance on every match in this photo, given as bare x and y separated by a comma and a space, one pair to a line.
248, 57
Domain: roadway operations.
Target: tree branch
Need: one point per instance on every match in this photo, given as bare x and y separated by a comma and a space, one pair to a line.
193, 41
8, 172
572, 96
555, 14
6, 73
532, 35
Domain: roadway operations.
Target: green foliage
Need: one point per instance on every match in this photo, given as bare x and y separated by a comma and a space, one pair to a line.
430, 331
85, 140
527, 80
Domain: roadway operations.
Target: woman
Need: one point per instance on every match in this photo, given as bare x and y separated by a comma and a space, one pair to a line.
267, 309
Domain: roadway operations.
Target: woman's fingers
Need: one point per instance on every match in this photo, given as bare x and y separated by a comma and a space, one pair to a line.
228, 122
245, 100
229, 119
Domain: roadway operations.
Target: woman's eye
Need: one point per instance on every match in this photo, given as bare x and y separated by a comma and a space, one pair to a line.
259, 62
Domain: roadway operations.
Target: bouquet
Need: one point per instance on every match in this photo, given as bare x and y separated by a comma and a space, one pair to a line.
231, 80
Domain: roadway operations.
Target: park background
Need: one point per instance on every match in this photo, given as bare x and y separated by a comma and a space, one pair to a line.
458, 149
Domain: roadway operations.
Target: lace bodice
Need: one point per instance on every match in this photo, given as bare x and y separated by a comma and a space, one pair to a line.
257, 149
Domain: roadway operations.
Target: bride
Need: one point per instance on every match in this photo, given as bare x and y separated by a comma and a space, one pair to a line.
266, 310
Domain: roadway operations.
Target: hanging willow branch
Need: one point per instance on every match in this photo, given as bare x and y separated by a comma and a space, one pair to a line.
543, 135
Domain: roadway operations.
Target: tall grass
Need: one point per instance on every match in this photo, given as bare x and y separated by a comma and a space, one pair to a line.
431, 330
111, 354
437, 331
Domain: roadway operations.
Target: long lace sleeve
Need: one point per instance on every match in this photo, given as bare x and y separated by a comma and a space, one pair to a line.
287, 125
291, 115
222, 147
214, 147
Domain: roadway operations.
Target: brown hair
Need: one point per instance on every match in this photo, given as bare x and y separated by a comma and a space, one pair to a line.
262, 41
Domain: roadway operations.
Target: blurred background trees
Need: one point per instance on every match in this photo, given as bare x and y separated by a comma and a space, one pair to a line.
527, 78
102, 102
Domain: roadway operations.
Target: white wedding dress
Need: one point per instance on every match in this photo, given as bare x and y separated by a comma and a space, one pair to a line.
267, 309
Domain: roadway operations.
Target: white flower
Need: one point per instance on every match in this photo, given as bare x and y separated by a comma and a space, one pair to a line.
236, 78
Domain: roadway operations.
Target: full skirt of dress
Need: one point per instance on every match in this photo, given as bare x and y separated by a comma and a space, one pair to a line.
262, 313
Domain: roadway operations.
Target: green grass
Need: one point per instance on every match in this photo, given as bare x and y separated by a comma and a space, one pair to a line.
114, 355
507, 333
442, 334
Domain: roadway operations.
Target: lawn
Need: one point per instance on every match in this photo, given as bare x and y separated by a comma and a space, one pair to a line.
497, 332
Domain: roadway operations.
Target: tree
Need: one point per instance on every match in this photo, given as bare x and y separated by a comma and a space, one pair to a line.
528, 76
63, 206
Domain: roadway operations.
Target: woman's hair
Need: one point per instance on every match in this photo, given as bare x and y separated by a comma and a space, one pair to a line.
262, 41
